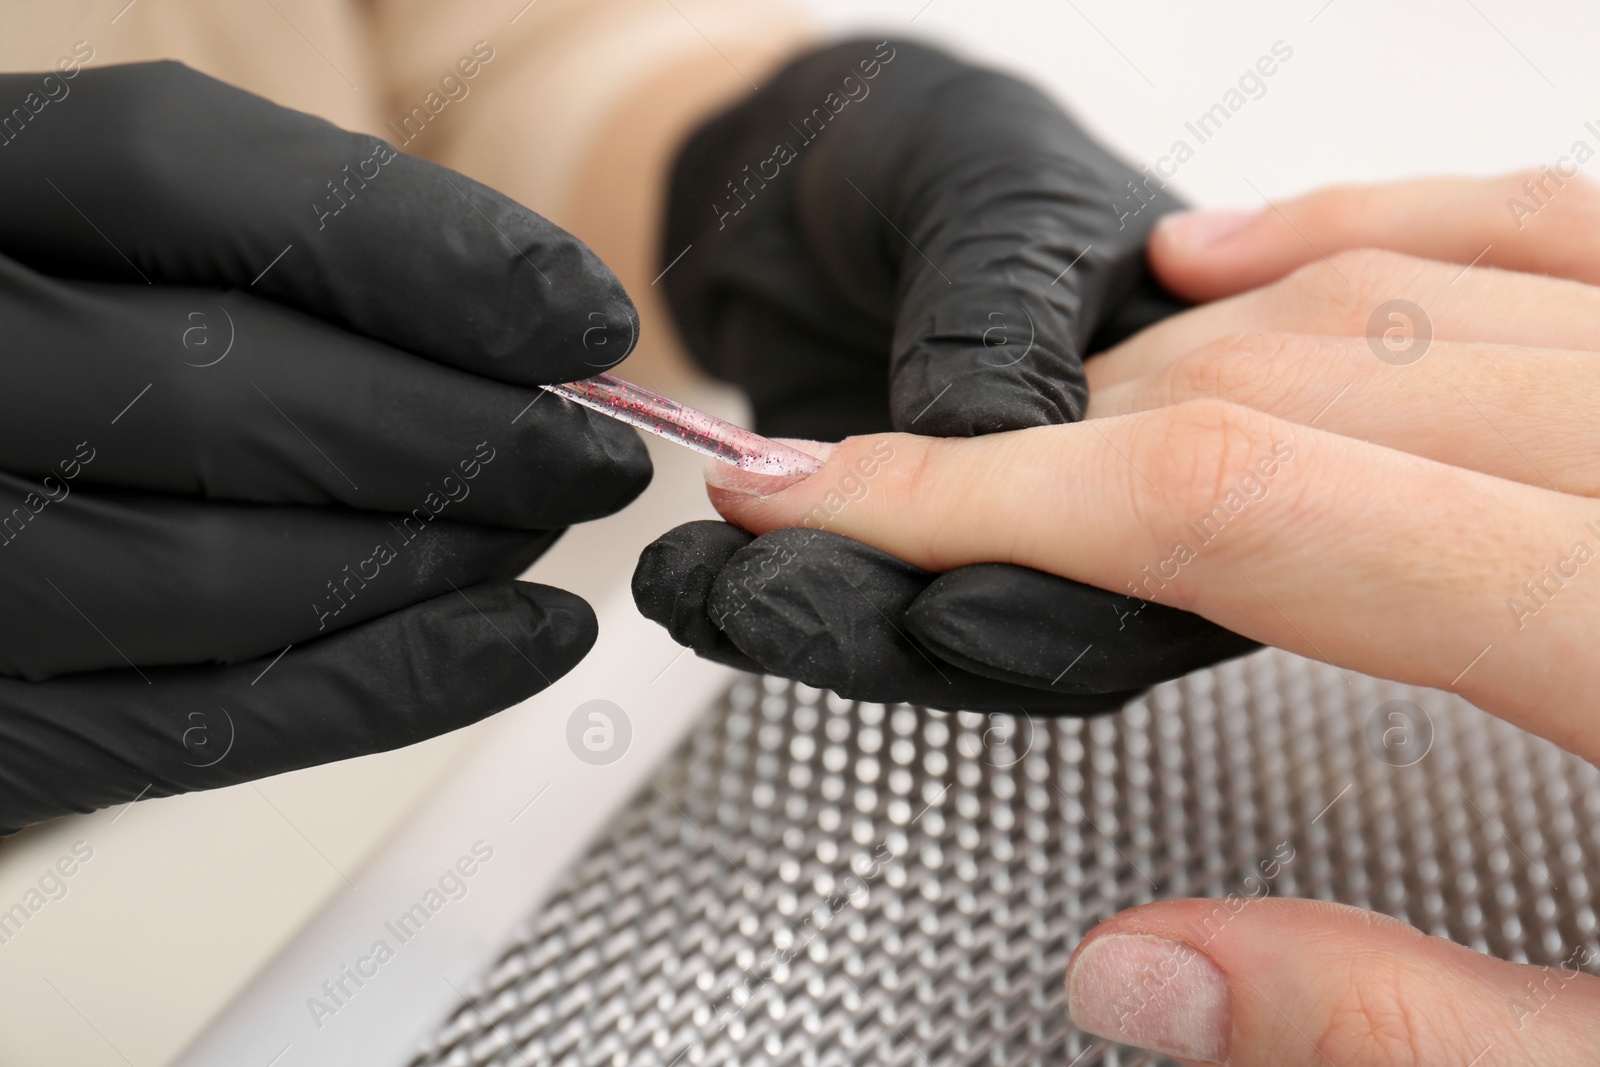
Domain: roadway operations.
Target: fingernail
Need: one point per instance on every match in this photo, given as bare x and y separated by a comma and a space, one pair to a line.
731, 479
1158, 995
1200, 229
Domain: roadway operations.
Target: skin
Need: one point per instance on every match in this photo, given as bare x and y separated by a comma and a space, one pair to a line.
1381, 514
619, 185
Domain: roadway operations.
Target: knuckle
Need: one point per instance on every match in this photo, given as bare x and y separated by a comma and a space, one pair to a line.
901, 471
1328, 211
921, 480
1209, 371
1379, 1022
1325, 283
908, 473
159, 95
1586, 195
1228, 368
1576, 201
1339, 292
157, 86
1365, 263
1194, 455
861, 467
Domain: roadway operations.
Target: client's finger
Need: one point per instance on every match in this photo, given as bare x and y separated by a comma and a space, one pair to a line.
1322, 544
1402, 302
1540, 221
1490, 408
1286, 983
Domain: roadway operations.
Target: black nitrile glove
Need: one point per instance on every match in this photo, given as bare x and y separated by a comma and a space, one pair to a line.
270, 451
884, 237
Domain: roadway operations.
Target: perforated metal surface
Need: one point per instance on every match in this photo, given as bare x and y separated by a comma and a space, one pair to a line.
813, 881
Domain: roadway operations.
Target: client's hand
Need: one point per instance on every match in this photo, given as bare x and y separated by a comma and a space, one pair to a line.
884, 236
1386, 462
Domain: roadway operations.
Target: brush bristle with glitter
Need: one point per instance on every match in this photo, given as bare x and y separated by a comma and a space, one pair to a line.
688, 426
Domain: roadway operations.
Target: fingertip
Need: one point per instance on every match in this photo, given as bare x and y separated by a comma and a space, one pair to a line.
594, 318
1157, 994
741, 504
1202, 231
673, 580
732, 506
756, 502
944, 389
1245, 979
532, 304
482, 648
574, 319
478, 649
1197, 254
896, 491
560, 625
616, 457
818, 607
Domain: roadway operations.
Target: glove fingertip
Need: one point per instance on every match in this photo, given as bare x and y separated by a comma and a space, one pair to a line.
468, 653
673, 581
540, 305
961, 395
588, 325
559, 624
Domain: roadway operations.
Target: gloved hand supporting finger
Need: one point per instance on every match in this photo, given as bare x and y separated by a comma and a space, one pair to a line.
1024, 626
826, 610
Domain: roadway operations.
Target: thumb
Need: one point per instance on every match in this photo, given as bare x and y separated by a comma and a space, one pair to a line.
1537, 222
984, 216
1291, 982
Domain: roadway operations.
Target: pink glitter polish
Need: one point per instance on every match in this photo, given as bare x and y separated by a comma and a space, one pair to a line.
694, 429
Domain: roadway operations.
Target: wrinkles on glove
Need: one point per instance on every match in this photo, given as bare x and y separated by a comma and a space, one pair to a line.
1022, 625
99, 579
214, 186
935, 247
826, 610
269, 424
224, 396
947, 231
811, 625
107, 737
